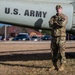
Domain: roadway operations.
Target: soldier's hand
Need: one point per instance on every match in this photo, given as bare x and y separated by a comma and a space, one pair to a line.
55, 22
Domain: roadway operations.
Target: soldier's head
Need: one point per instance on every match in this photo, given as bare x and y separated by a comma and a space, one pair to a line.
59, 9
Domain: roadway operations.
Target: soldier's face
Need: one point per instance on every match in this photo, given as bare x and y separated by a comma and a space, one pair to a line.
59, 10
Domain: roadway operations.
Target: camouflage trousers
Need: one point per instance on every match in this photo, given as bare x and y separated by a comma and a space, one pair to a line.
58, 45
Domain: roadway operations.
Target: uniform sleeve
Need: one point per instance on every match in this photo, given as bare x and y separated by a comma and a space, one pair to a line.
51, 22
63, 21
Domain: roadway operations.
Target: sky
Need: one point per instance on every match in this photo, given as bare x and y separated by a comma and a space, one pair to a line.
2, 24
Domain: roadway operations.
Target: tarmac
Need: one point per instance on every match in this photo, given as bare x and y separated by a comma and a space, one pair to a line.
31, 47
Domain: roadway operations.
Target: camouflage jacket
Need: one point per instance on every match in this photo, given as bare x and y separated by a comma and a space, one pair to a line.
58, 25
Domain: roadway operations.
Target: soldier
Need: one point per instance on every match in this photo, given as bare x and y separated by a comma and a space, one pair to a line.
58, 24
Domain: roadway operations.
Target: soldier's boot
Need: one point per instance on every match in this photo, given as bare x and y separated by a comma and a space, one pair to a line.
62, 67
54, 67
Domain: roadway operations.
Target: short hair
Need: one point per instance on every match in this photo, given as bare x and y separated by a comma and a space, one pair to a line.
58, 6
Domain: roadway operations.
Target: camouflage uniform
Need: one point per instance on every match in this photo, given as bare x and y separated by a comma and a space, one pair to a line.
58, 25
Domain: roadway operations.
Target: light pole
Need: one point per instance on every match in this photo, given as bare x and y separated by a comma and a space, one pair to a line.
40, 32
5, 32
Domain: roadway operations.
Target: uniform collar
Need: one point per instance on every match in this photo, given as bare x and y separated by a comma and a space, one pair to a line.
58, 14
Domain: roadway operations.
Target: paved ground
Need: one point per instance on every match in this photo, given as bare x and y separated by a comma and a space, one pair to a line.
32, 58
25, 47
11, 47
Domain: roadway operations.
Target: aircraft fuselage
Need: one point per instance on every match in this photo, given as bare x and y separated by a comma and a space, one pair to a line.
33, 14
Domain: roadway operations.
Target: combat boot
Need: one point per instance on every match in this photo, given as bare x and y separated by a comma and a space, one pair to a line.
62, 67
52, 68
